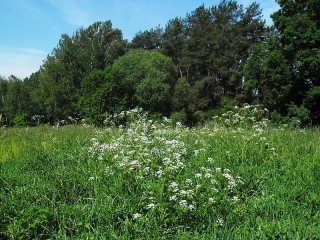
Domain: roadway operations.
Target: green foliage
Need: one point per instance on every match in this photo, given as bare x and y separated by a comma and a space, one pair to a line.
153, 94
254, 71
312, 101
298, 116
285, 69
204, 94
21, 120
180, 117
278, 84
192, 65
33, 223
3, 92
174, 44
226, 104
96, 95
148, 40
299, 112
16, 100
155, 116
147, 180
180, 98
209, 48
267, 78
223, 36
60, 81
145, 78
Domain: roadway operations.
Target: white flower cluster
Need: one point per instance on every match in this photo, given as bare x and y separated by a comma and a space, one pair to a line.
244, 117
157, 152
96, 150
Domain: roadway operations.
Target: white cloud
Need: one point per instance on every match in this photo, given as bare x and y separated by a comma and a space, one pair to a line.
21, 62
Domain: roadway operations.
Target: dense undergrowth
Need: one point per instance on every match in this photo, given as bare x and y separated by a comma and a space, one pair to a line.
235, 178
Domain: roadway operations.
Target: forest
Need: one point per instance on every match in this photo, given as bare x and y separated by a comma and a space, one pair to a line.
192, 69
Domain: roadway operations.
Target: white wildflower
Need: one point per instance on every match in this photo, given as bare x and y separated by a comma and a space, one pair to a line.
213, 181
207, 175
183, 203
232, 185
214, 189
220, 221
109, 171
159, 173
183, 192
188, 181
150, 206
198, 175
235, 198
173, 185
136, 216
191, 207
173, 198
228, 176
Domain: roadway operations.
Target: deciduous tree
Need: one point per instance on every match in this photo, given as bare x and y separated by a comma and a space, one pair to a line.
290, 61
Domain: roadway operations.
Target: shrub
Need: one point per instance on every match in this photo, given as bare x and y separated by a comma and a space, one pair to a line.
296, 117
179, 117
300, 113
21, 120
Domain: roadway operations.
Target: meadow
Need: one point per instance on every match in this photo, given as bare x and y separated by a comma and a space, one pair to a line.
235, 178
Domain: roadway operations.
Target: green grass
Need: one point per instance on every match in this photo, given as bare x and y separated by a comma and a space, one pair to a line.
154, 181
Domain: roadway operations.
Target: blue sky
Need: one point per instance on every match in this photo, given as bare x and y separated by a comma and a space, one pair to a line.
31, 29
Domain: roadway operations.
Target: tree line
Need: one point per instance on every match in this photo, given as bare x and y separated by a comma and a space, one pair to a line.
192, 69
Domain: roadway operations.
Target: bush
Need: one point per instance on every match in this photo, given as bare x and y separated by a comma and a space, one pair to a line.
208, 115
226, 104
296, 116
300, 113
156, 117
21, 120
179, 117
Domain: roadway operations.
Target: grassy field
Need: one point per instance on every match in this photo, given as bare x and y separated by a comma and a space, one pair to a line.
151, 180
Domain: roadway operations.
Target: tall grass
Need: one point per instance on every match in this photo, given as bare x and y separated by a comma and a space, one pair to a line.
147, 180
